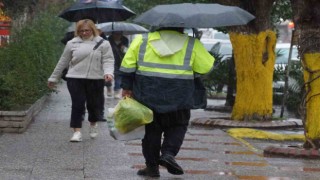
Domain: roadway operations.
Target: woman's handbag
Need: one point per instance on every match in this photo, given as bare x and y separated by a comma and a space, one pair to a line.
129, 114
64, 73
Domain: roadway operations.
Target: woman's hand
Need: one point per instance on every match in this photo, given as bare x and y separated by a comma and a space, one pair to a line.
108, 77
51, 85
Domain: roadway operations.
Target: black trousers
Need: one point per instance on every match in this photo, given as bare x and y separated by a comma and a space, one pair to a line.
85, 92
173, 126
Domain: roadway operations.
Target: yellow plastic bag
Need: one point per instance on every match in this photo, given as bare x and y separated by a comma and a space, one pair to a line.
130, 114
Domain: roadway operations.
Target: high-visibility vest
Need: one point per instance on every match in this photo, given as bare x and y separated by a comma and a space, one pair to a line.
156, 69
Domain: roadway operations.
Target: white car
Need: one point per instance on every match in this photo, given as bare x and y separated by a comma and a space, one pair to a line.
217, 42
224, 49
282, 56
213, 35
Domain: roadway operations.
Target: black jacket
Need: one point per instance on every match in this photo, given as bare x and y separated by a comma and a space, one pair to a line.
117, 52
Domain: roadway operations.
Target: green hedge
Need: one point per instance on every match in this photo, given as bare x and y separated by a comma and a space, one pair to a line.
29, 59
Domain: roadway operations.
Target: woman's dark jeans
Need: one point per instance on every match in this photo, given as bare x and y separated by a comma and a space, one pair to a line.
85, 92
117, 82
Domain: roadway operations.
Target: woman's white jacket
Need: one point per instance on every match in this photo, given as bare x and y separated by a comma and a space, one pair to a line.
83, 61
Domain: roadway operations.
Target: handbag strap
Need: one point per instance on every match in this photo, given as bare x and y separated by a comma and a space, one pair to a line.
98, 44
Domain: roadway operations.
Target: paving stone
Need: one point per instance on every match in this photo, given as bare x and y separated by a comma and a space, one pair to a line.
292, 152
43, 151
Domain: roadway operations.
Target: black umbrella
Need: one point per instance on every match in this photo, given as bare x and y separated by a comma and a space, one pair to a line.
194, 15
98, 10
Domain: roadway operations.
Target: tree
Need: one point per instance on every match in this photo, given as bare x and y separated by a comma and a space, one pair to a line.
281, 11
253, 47
18, 7
307, 25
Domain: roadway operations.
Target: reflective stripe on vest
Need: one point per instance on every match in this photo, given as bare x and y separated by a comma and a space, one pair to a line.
128, 70
186, 64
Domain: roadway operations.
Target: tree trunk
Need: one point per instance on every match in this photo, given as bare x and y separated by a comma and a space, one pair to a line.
307, 23
231, 83
253, 47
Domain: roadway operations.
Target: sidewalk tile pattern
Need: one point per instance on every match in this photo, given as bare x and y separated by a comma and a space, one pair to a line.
43, 151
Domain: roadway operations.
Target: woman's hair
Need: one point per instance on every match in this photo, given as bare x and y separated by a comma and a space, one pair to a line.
88, 22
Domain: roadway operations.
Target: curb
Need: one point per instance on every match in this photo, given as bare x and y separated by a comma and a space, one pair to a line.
291, 152
218, 122
18, 121
226, 109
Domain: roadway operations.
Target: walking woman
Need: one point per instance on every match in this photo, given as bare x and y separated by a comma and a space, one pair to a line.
90, 60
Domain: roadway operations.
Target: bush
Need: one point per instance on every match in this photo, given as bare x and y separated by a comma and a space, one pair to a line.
295, 90
28, 60
219, 75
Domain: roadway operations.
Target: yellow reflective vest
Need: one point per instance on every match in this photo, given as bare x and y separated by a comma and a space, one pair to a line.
159, 68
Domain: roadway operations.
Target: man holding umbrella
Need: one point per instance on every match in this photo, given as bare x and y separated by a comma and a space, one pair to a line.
158, 71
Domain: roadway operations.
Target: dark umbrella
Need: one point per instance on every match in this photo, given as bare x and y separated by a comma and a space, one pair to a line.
71, 27
194, 15
98, 10
124, 27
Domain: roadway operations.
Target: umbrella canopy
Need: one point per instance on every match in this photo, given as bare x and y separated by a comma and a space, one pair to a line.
124, 27
98, 10
194, 15
71, 27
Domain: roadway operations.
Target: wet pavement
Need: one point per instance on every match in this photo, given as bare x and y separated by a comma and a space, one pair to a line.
44, 152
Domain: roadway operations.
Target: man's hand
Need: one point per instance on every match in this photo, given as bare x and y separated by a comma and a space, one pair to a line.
126, 93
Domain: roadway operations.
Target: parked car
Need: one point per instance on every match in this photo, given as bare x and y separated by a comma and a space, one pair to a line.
282, 55
193, 32
211, 36
214, 35
224, 49
208, 45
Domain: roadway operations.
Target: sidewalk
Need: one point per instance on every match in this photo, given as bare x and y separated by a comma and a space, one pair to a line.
44, 152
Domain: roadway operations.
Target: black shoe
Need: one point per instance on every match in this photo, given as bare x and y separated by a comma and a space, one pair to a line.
103, 120
171, 165
149, 171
